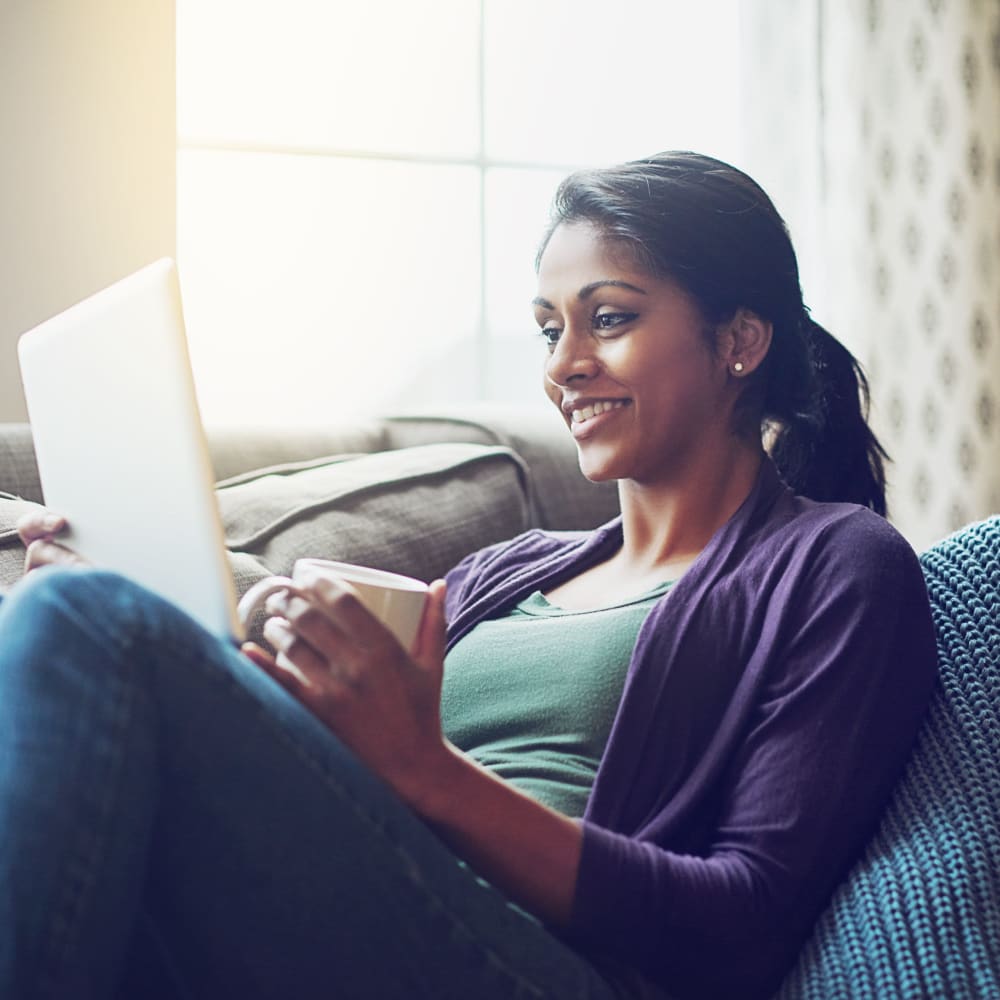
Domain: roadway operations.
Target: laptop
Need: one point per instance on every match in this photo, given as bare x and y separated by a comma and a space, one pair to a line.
120, 446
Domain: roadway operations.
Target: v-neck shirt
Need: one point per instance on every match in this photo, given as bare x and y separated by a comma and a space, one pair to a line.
532, 694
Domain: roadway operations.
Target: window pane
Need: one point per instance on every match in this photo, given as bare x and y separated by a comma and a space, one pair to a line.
581, 81
517, 210
318, 287
382, 76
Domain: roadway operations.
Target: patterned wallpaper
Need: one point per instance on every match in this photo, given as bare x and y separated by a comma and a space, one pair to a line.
904, 162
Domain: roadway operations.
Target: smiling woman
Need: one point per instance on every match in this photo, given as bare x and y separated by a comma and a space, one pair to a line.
629, 363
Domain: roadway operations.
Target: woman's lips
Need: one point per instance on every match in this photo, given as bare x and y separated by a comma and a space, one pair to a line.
589, 416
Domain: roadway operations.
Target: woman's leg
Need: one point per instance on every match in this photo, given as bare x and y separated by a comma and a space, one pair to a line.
146, 767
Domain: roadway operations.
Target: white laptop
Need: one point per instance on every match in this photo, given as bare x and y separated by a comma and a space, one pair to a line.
120, 446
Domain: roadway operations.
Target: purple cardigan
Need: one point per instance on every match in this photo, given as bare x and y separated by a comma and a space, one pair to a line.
772, 698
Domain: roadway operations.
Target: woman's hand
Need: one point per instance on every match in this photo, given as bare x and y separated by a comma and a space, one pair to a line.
343, 665
38, 531
350, 671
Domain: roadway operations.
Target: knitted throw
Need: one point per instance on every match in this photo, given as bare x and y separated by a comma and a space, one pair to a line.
919, 914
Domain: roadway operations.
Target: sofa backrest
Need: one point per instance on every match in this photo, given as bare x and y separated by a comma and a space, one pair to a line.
559, 496
412, 494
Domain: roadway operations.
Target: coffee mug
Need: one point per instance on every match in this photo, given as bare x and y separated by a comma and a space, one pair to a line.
396, 601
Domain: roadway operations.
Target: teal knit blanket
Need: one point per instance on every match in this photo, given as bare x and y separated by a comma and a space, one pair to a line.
919, 914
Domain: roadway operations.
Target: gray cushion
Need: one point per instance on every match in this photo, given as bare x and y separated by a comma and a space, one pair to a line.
12, 508
240, 450
560, 497
415, 511
17, 461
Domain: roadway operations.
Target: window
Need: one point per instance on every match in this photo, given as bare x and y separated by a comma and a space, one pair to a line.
361, 187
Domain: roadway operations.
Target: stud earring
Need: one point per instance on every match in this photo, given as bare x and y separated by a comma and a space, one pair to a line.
738, 367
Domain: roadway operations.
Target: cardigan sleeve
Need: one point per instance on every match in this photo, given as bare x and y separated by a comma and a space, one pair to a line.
829, 729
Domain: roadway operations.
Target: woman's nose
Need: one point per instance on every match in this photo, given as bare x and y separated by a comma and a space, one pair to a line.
571, 359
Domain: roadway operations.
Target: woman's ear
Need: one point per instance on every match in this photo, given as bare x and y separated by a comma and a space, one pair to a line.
744, 342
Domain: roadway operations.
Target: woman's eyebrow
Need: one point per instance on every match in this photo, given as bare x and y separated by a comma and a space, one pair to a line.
589, 290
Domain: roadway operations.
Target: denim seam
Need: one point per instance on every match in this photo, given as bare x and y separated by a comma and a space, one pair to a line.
410, 866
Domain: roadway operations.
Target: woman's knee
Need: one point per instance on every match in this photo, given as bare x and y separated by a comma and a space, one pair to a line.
59, 584
55, 597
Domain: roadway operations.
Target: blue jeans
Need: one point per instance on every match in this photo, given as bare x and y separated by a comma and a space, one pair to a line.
160, 796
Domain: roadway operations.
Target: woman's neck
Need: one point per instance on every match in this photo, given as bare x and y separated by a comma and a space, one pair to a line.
666, 525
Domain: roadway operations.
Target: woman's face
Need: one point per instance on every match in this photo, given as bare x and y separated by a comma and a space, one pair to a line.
629, 363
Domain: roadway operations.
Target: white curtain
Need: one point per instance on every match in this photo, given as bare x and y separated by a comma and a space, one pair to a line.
876, 126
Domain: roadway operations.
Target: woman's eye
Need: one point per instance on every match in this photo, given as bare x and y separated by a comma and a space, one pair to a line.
550, 334
608, 321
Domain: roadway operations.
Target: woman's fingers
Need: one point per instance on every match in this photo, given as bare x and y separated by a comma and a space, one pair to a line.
301, 621
43, 552
331, 617
40, 524
257, 654
280, 634
428, 650
288, 677
338, 602
38, 530
348, 669
306, 673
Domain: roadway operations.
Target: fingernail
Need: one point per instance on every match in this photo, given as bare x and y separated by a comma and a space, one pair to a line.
276, 633
277, 603
51, 522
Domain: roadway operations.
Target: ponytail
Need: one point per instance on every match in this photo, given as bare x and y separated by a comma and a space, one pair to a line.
825, 449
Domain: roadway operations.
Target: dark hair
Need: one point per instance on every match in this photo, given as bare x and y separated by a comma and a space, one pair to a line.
713, 230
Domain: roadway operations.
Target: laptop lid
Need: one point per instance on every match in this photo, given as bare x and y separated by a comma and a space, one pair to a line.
120, 446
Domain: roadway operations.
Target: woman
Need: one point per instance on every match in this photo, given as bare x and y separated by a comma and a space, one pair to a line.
757, 671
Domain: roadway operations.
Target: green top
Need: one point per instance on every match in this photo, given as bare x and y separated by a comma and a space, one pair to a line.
532, 695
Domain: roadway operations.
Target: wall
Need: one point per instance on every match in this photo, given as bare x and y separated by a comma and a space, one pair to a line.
913, 156
87, 168
890, 109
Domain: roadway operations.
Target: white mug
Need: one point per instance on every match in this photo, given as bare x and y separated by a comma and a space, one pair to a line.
396, 601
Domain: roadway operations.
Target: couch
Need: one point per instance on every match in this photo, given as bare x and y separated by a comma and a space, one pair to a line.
919, 914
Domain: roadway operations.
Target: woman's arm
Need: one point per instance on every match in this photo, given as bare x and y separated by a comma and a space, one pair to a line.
850, 669
384, 704
529, 851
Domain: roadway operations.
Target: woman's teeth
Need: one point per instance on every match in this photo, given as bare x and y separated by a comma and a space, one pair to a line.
595, 409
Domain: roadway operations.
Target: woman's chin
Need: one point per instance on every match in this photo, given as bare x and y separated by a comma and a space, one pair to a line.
598, 471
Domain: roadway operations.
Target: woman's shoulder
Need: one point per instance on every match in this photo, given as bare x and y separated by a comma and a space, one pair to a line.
838, 541
847, 527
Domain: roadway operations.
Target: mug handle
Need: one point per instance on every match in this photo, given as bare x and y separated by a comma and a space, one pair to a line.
251, 602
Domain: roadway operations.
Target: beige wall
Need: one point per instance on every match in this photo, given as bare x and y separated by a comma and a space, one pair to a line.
87, 156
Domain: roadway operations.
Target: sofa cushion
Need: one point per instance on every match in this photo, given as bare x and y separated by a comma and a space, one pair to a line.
12, 508
415, 511
560, 497
17, 460
919, 915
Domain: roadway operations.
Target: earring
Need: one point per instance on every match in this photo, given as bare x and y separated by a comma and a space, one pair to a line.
738, 367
